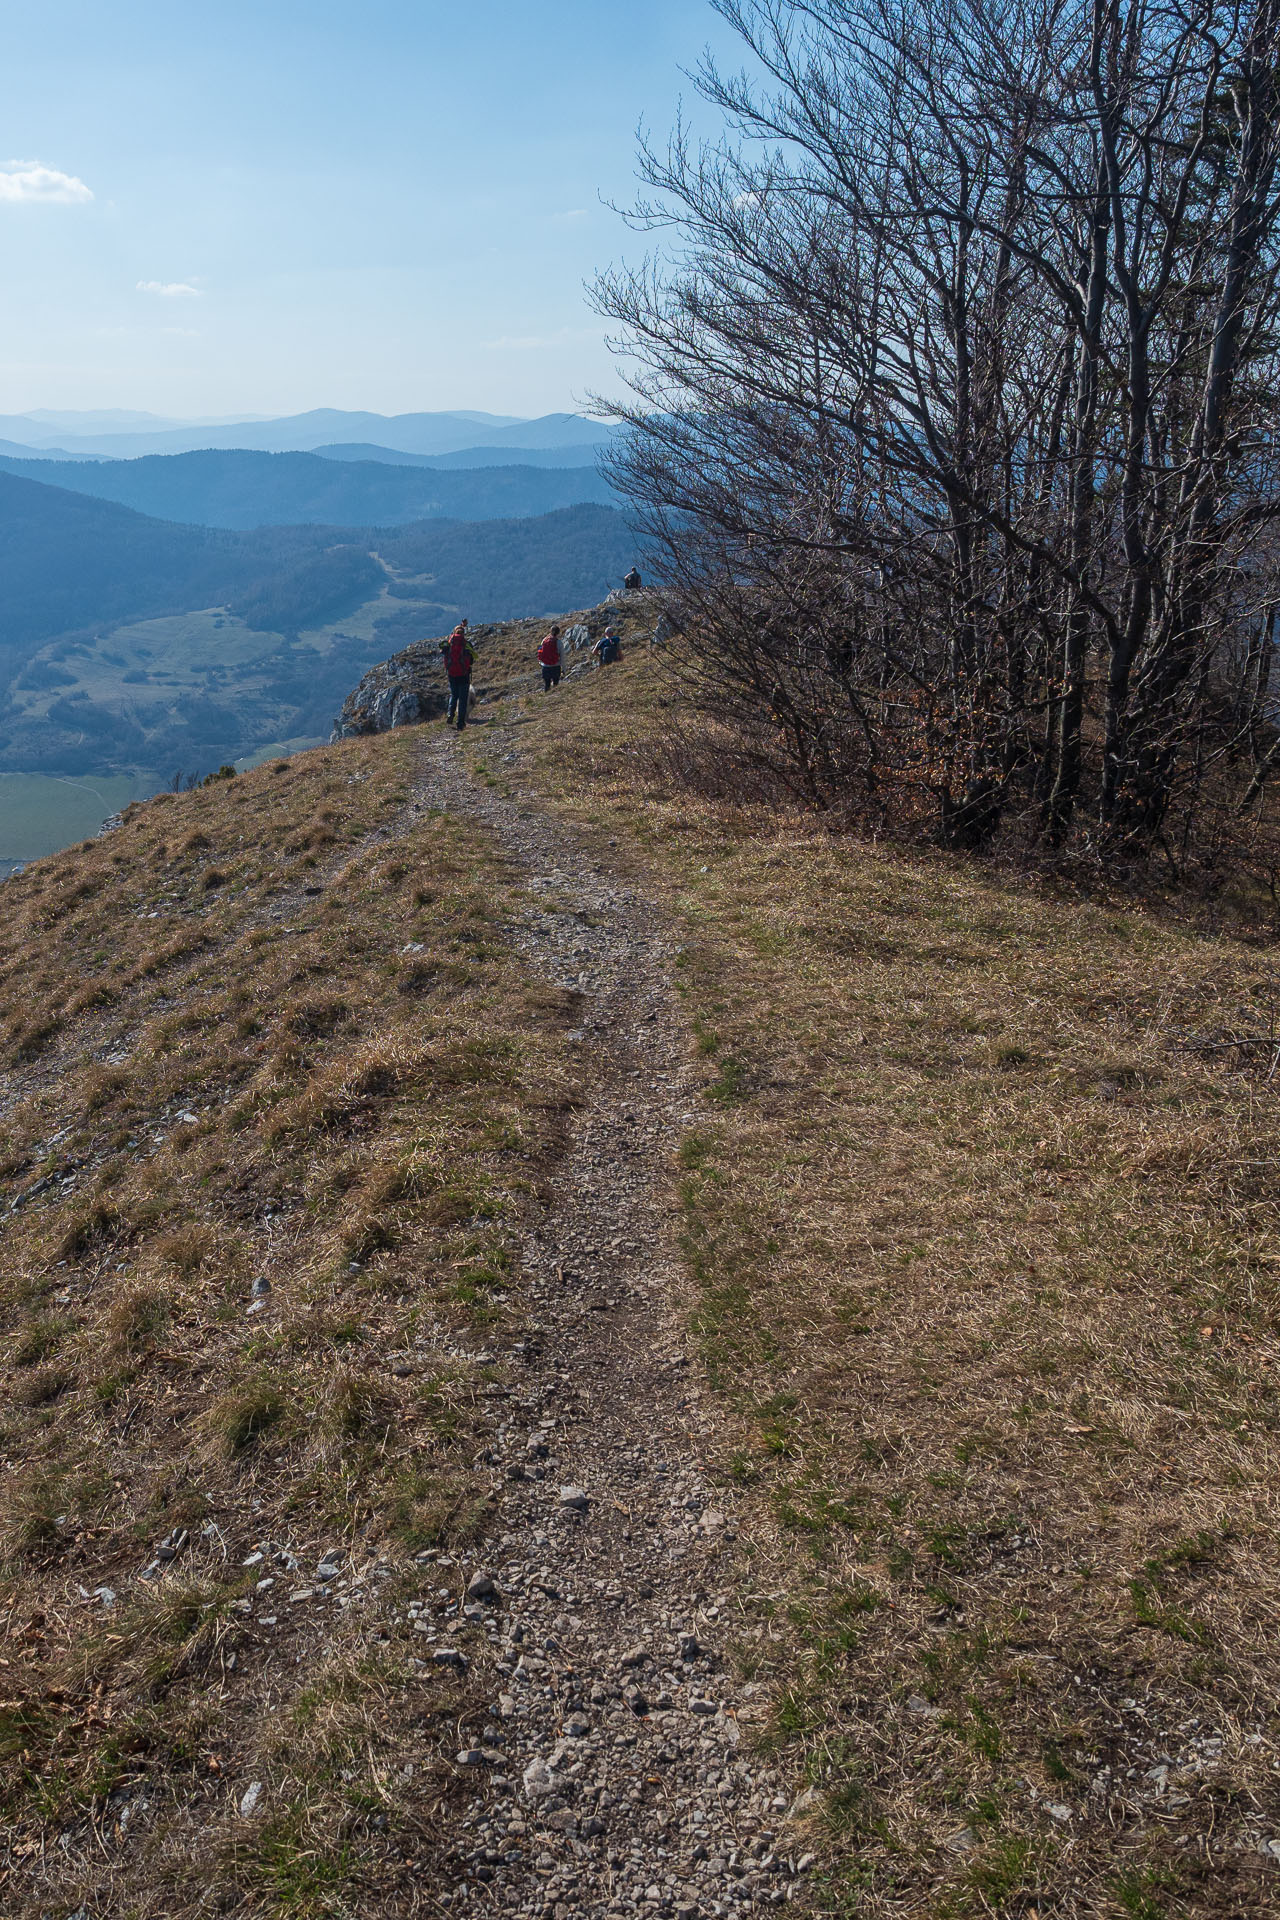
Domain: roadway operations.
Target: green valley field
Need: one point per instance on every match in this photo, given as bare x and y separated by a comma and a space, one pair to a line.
41, 812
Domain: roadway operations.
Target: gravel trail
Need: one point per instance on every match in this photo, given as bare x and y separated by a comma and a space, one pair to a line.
616, 1774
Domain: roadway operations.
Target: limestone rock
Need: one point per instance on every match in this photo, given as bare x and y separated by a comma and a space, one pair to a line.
403, 691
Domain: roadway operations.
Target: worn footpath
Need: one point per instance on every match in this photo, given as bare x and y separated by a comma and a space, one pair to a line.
619, 1770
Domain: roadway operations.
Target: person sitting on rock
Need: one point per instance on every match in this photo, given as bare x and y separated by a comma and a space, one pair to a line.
458, 655
549, 657
632, 581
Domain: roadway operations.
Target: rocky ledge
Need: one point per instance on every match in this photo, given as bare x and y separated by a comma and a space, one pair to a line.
398, 692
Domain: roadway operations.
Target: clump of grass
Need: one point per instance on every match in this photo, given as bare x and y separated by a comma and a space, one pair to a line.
186, 1249
239, 1420
30, 1509
358, 1408
100, 1087
93, 1227
316, 1018
29, 1038
137, 1318
428, 1509
40, 1386
40, 1337
419, 978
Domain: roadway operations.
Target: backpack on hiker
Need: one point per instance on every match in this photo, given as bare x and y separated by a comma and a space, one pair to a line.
458, 656
549, 651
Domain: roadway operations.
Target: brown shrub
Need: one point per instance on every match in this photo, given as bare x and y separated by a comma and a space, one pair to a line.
30, 1505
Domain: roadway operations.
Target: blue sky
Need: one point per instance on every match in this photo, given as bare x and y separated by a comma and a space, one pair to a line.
269, 205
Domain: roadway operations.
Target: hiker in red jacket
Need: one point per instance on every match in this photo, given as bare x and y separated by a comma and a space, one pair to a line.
458, 655
549, 655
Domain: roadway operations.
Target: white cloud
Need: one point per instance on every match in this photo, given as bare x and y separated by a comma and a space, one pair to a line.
171, 289
28, 180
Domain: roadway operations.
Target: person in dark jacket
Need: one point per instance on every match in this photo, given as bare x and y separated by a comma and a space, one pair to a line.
549, 658
632, 581
459, 656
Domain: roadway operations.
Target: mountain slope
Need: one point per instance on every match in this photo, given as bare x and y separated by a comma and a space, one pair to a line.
766, 1389
67, 559
241, 490
254, 1481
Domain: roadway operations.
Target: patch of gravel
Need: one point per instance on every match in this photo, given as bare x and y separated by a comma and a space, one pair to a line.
616, 1773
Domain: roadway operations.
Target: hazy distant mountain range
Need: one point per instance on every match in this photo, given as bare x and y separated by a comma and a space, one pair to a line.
99, 435
582, 457
242, 489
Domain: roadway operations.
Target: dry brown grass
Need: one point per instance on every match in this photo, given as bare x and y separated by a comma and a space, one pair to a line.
981, 1236
234, 1086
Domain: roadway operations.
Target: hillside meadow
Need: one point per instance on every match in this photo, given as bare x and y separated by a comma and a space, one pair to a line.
269, 1032
980, 1232
978, 1226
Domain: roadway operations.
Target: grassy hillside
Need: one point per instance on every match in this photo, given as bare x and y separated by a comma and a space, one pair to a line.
239, 489
272, 1031
979, 1227
981, 1242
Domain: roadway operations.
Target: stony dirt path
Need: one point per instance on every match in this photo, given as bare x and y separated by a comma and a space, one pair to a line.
617, 1773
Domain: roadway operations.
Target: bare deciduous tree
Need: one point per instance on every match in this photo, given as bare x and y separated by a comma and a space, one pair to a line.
954, 396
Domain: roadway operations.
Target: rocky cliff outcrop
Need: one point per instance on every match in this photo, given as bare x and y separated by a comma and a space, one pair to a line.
409, 687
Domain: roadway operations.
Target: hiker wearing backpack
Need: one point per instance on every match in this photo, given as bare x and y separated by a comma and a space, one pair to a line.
550, 658
608, 647
458, 655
